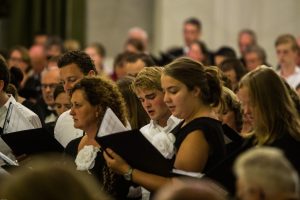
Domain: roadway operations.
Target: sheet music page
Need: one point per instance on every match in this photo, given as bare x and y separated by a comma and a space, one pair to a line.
111, 124
16, 121
186, 173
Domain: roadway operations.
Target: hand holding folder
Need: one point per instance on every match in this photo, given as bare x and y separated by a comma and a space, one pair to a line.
138, 152
132, 146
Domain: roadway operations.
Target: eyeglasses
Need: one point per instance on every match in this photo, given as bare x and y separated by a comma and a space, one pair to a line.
51, 86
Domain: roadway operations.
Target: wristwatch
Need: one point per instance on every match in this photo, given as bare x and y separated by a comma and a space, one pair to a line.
128, 175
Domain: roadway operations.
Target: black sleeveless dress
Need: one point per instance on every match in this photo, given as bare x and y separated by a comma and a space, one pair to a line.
213, 133
113, 184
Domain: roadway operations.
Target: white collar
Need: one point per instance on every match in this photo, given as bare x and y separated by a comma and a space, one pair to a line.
10, 100
170, 123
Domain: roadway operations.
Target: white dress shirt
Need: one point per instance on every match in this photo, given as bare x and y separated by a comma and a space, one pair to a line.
154, 128
20, 118
294, 79
150, 130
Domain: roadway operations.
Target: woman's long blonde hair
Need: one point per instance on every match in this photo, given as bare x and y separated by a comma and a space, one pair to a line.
275, 112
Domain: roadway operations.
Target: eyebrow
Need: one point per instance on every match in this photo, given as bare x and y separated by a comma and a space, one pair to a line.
171, 87
150, 95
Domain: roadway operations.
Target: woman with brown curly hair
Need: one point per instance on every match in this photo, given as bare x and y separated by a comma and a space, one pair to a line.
90, 98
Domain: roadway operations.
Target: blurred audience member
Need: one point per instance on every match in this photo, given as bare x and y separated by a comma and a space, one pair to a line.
140, 34
19, 57
97, 52
191, 189
134, 46
198, 52
136, 114
255, 56
298, 59
298, 89
52, 62
72, 45
134, 63
192, 30
50, 179
32, 87
246, 38
234, 70
62, 101
50, 79
119, 66
265, 173
222, 54
54, 47
230, 112
40, 38
287, 51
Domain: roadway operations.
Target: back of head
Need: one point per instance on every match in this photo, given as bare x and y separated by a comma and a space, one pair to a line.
193, 74
225, 51
189, 189
134, 57
54, 41
230, 102
275, 113
148, 78
16, 76
58, 89
4, 73
137, 44
267, 168
72, 45
138, 33
80, 58
50, 180
195, 22
234, 64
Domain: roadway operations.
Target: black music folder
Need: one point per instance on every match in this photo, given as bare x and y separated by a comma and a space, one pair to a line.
138, 152
33, 141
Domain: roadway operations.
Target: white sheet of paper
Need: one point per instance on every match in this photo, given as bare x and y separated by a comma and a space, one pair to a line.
111, 124
186, 173
8, 160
